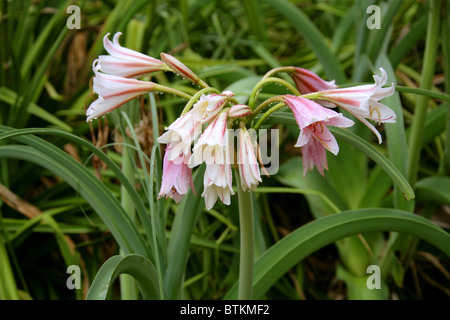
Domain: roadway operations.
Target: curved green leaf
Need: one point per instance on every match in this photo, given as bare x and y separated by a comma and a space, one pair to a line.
435, 189
10, 133
140, 268
182, 229
289, 251
89, 187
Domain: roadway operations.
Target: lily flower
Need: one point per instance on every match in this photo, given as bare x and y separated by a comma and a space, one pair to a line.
113, 91
307, 81
248, 164
125, 62
180, 135
217, 180
315, 137
363, 101
177, 177
211, 145
208, 106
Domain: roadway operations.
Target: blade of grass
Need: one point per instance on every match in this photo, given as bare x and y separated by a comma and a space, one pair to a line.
84, 182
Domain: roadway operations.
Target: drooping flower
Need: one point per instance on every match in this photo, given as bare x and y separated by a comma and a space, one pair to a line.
315, 137
247, 161
217, 180
177, 177
125, 62
307, 81
113, 91
363, 101
180, 135
210, 146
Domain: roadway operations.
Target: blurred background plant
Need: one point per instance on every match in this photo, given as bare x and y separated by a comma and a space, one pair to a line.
54, 214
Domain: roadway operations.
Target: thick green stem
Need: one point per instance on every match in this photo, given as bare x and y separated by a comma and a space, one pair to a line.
247, 249
415, 142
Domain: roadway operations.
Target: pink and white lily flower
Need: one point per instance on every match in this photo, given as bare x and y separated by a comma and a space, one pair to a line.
248, 163
307, 81
363, 101
125, 62
180, 135
208, 106
218, 185
217, 180
210, 146
113, 91
177, 177
315, 137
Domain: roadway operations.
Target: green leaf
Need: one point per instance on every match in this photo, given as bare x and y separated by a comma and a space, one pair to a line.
243, 88
296, 246
10, 97
182, 229
140, 268
396, 136
73, 172
435, 189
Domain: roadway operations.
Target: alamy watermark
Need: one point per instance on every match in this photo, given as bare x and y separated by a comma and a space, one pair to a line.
374, 20
74, 20
74, 280
265, 144
374, 280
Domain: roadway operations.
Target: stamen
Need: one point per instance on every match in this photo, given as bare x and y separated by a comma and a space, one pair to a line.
372, 109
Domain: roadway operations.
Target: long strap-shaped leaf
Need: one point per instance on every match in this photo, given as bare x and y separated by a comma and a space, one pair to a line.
292, 249
89, 187
6, 132
135, 265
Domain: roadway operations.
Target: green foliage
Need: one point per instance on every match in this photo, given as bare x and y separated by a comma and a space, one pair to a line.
86, 194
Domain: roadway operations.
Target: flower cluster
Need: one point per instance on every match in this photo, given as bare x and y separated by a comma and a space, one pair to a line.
201, 134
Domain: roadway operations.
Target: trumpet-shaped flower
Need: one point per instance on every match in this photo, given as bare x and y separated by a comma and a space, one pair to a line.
180, 135
363, 101
307, 81
125, 62
210, 146
113, 91
217, 180
248, 164
177, 177
315, 137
